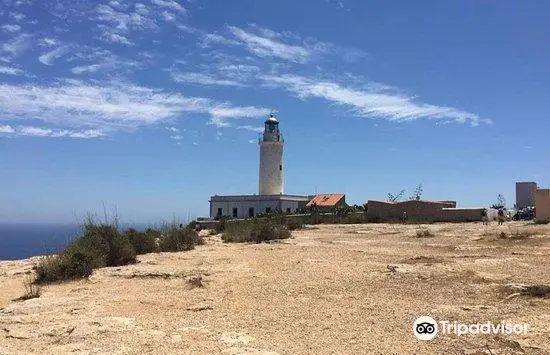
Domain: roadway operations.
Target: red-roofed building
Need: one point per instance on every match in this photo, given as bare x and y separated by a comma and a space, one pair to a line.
328, 201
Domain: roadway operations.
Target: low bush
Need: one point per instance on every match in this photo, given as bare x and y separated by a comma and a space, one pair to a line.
143, 242
289, 222
267, 230
32, 290
100, 245
238, 232
103, 245
179, 239
256, 231
354, 218
537, 291
222, 224
424, 233
66, 266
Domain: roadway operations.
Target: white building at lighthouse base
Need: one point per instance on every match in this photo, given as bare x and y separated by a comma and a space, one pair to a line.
247, 206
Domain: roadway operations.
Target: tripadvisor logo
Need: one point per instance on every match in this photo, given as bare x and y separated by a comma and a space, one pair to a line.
426, 328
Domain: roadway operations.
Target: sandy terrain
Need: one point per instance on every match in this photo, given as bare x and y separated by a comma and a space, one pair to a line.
332, 289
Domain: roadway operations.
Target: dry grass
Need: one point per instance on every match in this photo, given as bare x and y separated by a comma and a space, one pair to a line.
424, 233
32, 289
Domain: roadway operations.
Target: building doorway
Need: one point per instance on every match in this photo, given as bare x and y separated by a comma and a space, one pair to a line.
235, 212
251, 212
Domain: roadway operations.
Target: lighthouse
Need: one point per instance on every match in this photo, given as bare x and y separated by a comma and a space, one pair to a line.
271, 197
271, 158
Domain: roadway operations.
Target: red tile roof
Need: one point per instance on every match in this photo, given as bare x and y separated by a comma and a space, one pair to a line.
326, 200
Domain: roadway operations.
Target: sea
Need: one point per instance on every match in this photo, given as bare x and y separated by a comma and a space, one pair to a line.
23, 240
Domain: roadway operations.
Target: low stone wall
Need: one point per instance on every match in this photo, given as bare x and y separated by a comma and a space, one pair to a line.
460, 215
422, 211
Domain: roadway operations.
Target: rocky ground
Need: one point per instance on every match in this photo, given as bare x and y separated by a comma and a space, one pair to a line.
331, 289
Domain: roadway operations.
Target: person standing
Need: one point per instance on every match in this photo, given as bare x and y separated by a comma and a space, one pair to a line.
484, 218
501, 217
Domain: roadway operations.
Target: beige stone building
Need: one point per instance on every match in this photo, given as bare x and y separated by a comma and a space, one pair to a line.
542, 206
525, 194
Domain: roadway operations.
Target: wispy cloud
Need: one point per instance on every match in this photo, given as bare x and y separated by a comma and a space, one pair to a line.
265, 42
10, 71
18, 44
268, 47
117, 24
371, 104
6, 129
47, 132
17, 16
11, 28
177, 137
108, 63
49, 57
91, 68
170, 4
202, 79
209, 38
168, 16
251, 128
110, 106
220, 114
47, 42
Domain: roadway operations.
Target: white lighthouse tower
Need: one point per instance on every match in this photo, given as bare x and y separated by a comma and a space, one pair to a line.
271, 159
271, 197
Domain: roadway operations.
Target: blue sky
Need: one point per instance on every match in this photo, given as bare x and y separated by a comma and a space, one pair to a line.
153, 106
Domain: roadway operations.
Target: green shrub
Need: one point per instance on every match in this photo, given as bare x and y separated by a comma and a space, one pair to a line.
268, 230
100, 245
293, 224
179, 239
143, 242
256, 230
106, 245
103, 245
237, 232
354, 218
222, 224
66, 266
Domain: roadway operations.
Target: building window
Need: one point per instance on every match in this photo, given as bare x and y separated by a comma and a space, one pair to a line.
268, 210
251, 212
288, 210
234, 212
219, 212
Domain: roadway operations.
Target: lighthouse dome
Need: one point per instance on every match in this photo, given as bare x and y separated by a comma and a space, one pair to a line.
271, 119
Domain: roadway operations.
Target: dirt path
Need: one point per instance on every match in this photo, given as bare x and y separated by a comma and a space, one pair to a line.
333, 289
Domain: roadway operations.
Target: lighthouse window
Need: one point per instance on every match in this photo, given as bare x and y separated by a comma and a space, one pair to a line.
280, 167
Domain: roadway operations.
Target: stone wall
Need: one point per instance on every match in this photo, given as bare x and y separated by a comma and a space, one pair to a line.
542, 206
461, 215
422, 211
